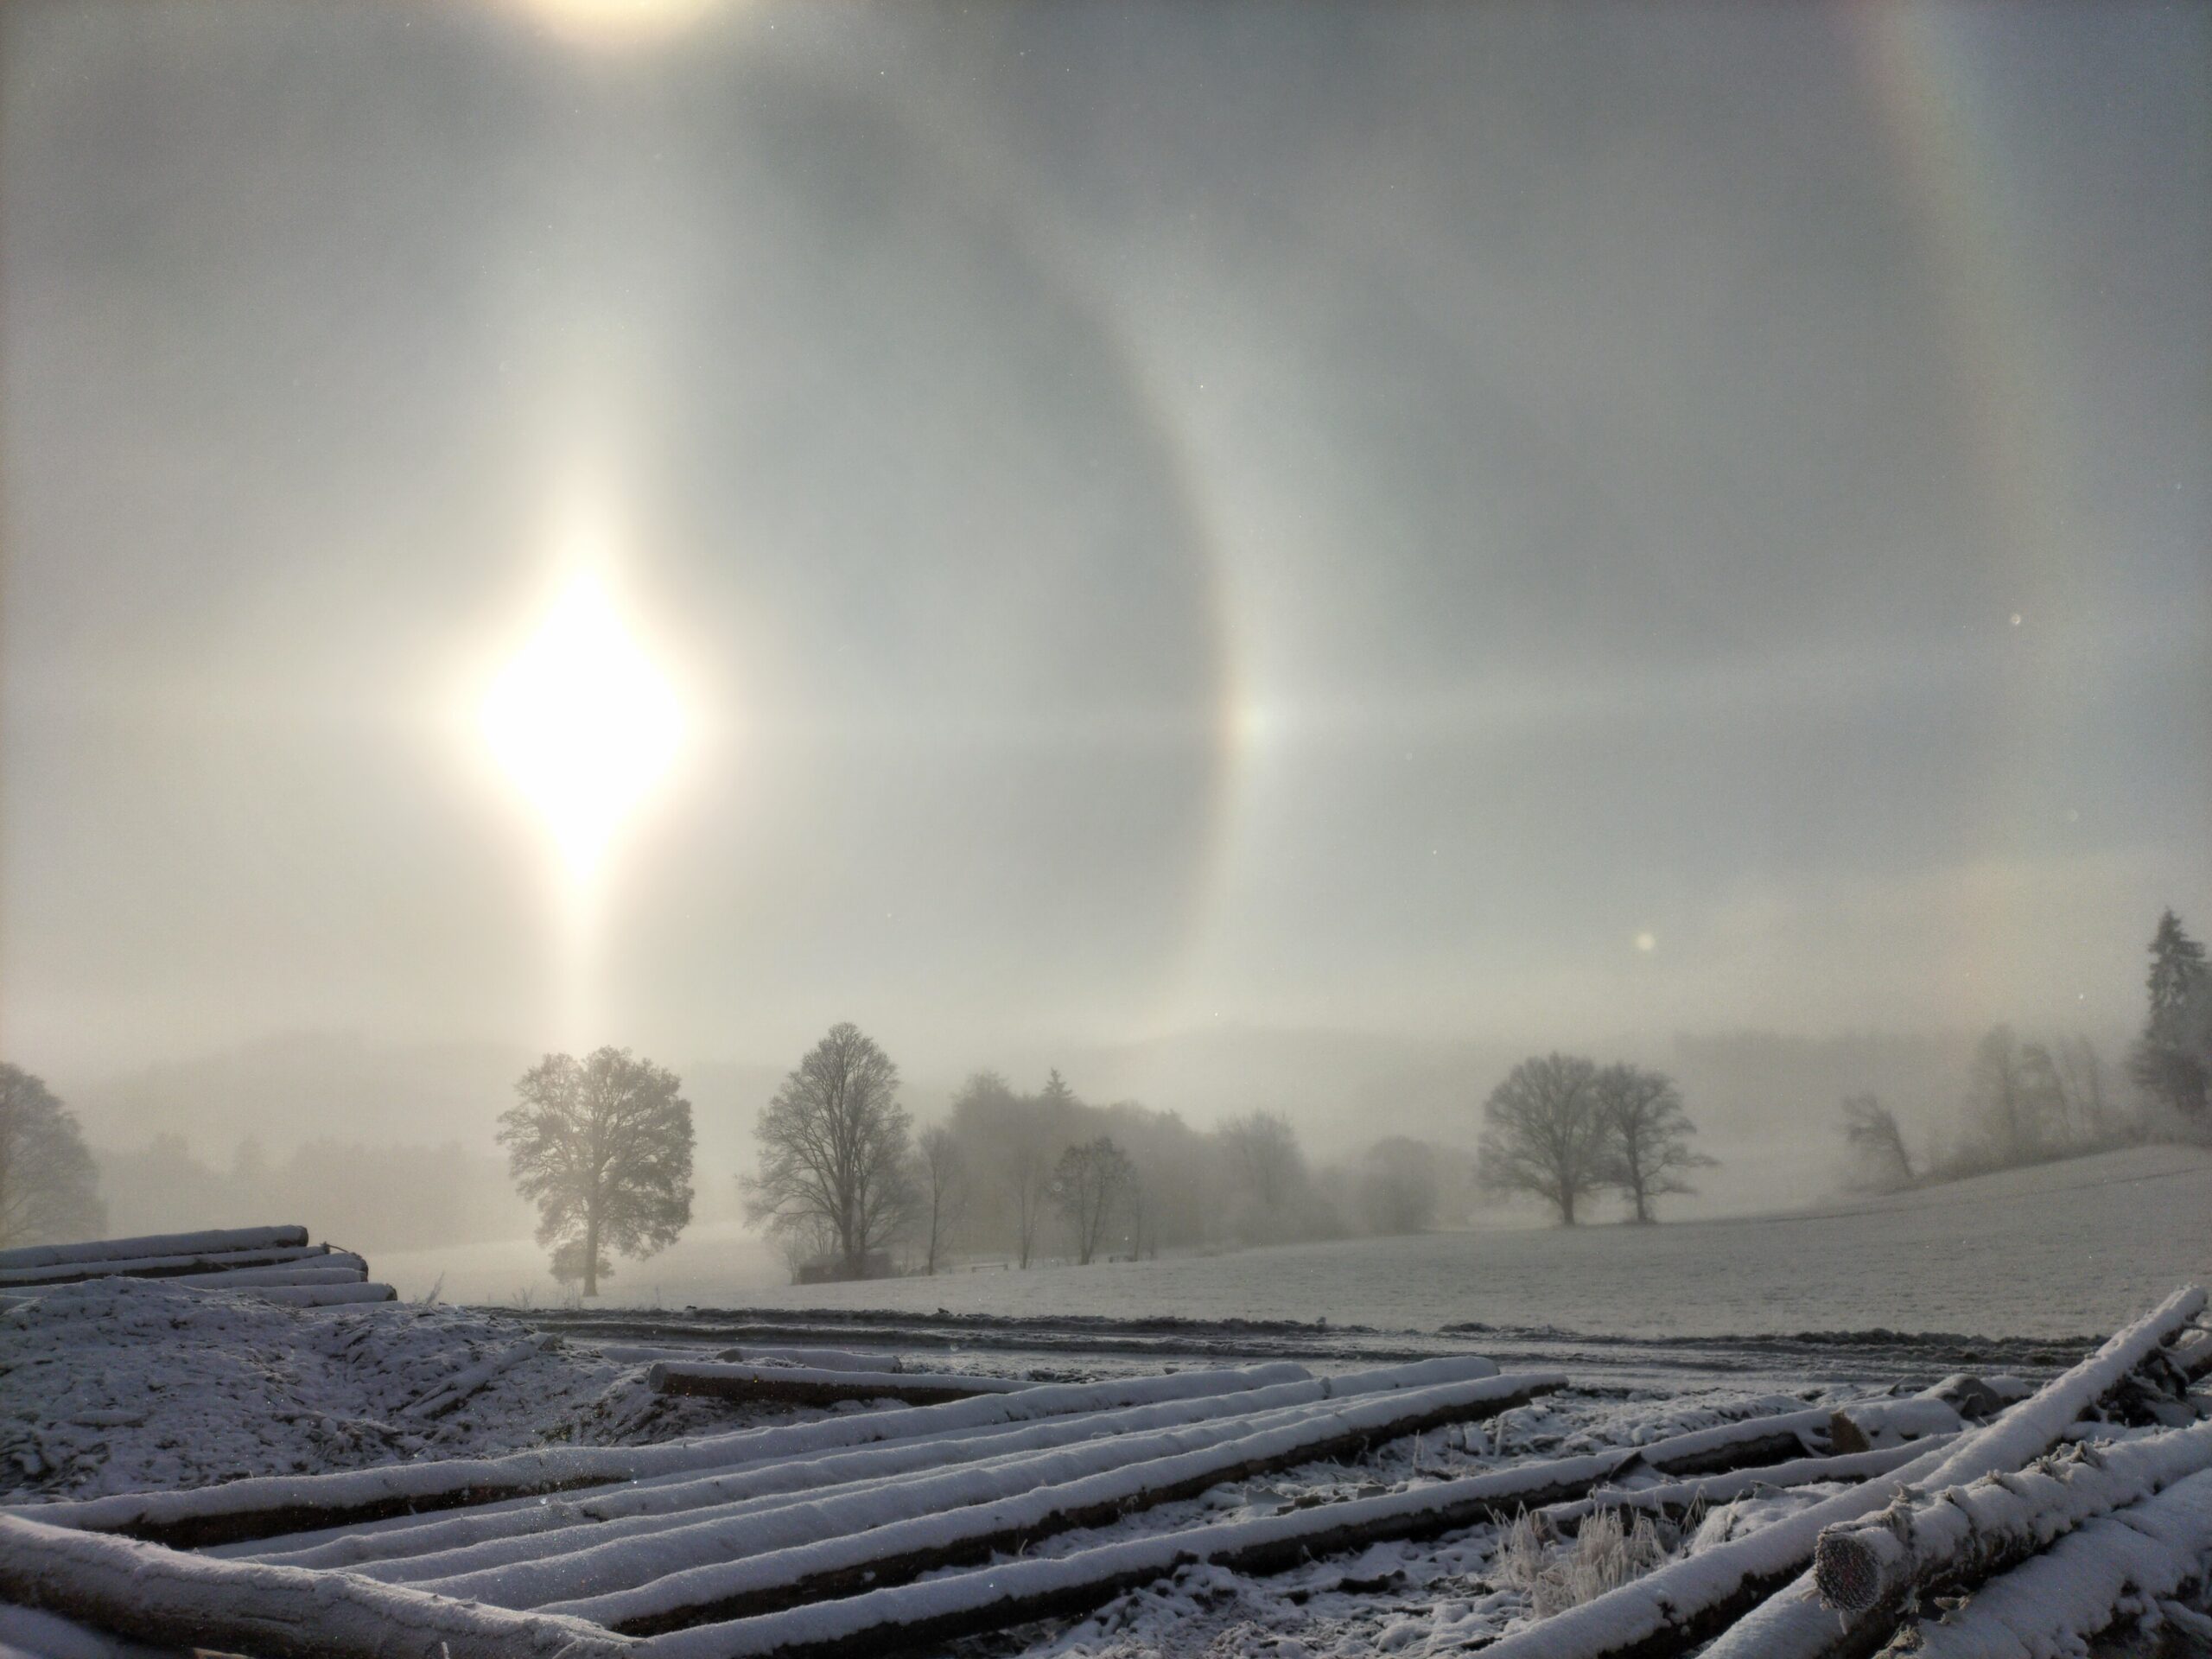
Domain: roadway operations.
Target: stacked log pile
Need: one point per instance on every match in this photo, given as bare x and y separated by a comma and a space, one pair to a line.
274, 1264
2038, 1520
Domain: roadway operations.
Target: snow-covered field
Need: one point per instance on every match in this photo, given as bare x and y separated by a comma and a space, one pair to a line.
2049, 1251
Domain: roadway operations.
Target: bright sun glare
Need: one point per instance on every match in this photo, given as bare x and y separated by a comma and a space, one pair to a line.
583, 721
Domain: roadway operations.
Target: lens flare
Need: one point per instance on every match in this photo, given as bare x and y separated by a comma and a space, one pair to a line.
584, 722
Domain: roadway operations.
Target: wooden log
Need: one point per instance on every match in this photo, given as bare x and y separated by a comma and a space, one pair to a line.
124, 1250
156, 1267
2074, 1593
794, 1385
315, 1270
822, 1359
1948, 1541
160, 1596
311, 1296
1004, 1593
522, 1571
1873, 1423
1688, 1601
905, 1549
620, 1556
508, 1530
1677, 1499
269, 1506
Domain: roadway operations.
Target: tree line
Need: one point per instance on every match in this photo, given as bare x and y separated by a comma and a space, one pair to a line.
2030, 1100
847, 1187
602, 1146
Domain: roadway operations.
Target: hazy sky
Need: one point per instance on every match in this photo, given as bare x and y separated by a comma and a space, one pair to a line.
1160, 514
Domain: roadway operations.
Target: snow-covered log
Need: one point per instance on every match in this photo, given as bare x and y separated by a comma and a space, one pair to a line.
2192, 1355
1011, 1593
800, 1385
271, 1506
1924, 1546
176, 1265
151, 1244
319, 1272
2108, 1573
651, 1548
313, 1295
512, 1525
160, 1596
822, 1359
1873, 1423
1689, 1601
1677, 1498
900, 1550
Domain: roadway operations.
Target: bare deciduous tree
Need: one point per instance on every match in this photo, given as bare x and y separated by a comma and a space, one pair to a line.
49, 1186
1651, 1155
834, 1149
1878, 1147
942, 1183
603, 1147
1089, 1184
1545, 1133
2003, 1098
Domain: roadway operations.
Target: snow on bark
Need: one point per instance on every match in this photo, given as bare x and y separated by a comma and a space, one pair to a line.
1691, 1599
810, 1386
151, 1244
160, 1596
624, 1555
512, 1524
272, 1506
1014, 1591
332, 1269
824, 1359
901, 1549
2112, 1571
1921, 1547
174, 1264
311, 1296
1678, 1497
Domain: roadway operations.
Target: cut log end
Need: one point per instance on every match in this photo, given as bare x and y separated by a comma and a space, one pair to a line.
1846, 1573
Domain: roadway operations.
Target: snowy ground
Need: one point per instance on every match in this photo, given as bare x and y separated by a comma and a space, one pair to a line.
123, 1385
2049, 1251
132, 1384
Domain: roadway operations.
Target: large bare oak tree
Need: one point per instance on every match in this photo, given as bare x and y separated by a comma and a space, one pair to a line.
602, 1146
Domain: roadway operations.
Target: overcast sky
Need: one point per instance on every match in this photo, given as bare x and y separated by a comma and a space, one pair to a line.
1489, 520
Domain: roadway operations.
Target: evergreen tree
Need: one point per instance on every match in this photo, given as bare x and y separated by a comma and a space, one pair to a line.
2173, 1060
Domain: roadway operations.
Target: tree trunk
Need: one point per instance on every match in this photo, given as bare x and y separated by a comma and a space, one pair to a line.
1566, 1209
591, 1251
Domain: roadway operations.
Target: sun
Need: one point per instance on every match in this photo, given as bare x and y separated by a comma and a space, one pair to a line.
584, 722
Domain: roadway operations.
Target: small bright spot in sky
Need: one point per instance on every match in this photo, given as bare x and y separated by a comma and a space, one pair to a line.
2016, 618
583, 721
1647, 942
